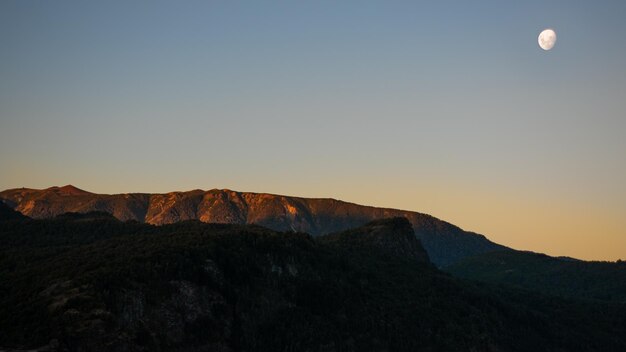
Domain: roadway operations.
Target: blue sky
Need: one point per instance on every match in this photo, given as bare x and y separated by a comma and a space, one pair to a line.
444, 107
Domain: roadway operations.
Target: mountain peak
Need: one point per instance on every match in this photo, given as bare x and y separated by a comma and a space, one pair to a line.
68, 190
393, 236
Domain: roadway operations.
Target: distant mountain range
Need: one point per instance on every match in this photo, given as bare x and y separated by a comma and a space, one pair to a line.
444, 242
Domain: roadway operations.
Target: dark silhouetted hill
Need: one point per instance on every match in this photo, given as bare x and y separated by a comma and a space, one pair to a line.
393, 237
100, 284
564, 277
7, 213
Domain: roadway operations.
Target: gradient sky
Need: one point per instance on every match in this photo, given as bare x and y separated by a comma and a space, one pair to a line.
443, 107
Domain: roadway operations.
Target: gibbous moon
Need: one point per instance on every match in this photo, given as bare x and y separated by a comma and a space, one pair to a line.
547, 39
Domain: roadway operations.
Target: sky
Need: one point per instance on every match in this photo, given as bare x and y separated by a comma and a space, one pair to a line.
443, 107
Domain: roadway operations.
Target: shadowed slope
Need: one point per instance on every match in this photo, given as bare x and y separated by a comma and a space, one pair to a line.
94, 283
557, 276
6, 213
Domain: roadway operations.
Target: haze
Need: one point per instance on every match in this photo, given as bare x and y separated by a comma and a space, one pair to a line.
448, 108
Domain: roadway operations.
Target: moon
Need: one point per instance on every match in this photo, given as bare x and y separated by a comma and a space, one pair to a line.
547, 39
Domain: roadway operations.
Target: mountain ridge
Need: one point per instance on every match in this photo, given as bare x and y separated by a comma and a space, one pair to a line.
444, 242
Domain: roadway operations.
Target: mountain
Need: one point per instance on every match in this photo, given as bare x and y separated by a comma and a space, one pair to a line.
444, 242
393, 237
97, 284
561, 276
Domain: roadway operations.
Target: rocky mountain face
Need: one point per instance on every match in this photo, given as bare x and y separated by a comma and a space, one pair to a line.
444, 242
